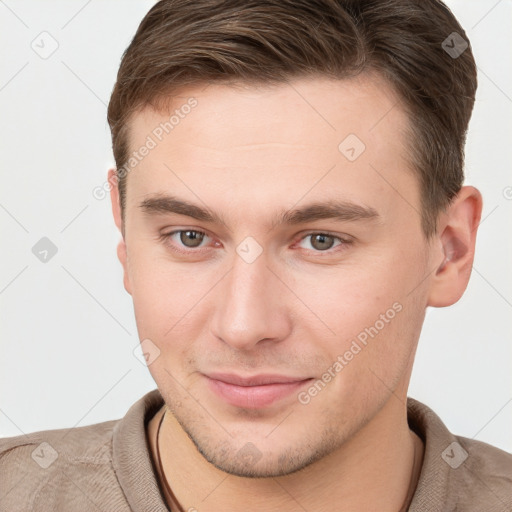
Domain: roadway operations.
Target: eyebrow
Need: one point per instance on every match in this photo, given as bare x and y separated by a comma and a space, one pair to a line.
331, 209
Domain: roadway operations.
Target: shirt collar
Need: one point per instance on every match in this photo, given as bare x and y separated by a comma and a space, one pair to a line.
134, 467
131, 456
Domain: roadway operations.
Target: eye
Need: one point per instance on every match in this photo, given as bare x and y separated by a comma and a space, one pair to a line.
188, 238
323, 242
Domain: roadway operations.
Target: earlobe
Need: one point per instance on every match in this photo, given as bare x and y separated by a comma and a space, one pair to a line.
457, 239
122, 253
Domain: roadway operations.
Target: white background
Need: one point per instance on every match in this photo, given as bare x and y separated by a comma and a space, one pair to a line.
67, 326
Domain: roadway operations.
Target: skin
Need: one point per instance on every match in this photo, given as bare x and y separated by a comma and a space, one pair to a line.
247, 153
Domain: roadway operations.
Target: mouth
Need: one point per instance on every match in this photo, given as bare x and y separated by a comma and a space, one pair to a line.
255, 391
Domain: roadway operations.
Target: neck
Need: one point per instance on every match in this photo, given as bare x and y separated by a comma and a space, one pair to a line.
374, 470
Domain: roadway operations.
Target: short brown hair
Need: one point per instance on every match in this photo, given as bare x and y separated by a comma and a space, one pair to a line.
183, 42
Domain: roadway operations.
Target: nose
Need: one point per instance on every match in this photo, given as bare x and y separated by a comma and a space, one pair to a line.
250, 307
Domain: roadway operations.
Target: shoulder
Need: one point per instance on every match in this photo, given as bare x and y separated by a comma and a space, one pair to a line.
486, 470
45, 469
458, 473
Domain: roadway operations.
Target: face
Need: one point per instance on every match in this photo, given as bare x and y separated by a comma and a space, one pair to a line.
274, 252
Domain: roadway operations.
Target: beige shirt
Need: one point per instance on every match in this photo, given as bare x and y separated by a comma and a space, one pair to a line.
108, 467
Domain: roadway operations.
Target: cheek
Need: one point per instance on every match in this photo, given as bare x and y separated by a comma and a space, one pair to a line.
154, 304
349, 299
158, 291
374, 313
168, 300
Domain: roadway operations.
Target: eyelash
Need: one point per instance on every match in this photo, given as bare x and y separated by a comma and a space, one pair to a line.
165, 238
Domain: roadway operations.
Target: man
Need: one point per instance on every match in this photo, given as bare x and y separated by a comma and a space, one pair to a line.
289, 193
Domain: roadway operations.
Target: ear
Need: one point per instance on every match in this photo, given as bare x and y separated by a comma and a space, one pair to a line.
116, 212
456, 238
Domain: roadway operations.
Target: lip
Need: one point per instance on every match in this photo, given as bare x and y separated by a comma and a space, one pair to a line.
255, 391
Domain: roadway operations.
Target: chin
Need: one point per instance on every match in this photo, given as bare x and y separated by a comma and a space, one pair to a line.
250, 462
263, 457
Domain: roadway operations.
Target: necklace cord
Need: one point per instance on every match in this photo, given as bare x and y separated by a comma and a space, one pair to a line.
166, 484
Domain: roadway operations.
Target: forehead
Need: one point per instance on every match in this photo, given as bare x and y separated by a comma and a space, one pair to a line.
260, 141
325, 108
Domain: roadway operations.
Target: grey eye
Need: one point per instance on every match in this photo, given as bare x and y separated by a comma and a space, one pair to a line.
191, 238
322, 242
